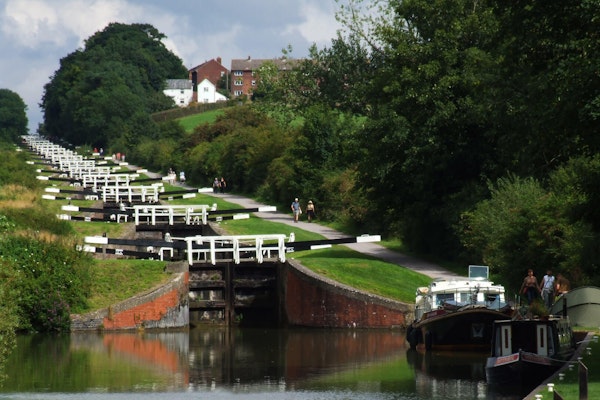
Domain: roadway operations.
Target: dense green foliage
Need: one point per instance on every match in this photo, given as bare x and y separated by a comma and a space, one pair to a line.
103, 95
51, 278
13, 121
42, 275
468, 129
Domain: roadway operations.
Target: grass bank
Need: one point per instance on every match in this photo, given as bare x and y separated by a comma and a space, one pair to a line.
568, 386
192, 121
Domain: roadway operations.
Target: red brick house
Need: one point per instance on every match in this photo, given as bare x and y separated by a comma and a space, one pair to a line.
243, 73
213, 70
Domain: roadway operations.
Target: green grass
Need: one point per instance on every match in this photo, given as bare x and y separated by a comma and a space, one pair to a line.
361, 271
116, 280
192, 121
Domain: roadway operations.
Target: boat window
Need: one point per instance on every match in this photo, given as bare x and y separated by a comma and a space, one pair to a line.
465, 297
444, 297
491, 297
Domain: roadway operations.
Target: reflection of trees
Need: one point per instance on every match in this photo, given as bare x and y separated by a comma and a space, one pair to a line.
8, 320
7, 345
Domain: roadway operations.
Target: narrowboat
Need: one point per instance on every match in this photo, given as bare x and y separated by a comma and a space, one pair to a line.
458, 314
581, 304
527, 351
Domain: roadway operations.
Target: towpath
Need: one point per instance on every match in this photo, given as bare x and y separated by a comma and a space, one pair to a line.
373, 249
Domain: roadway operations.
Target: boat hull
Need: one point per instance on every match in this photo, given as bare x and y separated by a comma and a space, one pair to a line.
582, 305
520, 369
469, 329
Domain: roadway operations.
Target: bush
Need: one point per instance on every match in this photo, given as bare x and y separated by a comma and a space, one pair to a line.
51, 277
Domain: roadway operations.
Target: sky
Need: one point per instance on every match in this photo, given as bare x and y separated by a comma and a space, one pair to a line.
36, 34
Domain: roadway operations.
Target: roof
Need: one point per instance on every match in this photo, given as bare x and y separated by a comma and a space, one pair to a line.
178, 84
250, 64
212, 61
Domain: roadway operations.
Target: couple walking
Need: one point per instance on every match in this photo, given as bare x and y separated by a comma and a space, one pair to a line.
297, 210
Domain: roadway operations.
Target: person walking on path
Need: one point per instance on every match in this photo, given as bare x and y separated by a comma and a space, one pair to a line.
222, 184
547, 288
296, 209
310, 211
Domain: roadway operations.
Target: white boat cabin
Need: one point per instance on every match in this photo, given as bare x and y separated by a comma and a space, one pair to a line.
476, 290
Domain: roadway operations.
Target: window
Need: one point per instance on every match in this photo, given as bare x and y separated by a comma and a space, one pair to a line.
238, 93
238, 82
238, 73
206, 89
444, 297
253, 82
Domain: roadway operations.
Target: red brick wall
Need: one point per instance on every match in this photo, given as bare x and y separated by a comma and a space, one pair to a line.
151, 311
312, 301
210, 70
163, 307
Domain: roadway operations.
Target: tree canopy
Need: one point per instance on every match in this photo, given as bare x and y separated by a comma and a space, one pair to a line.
106, 92
13, 120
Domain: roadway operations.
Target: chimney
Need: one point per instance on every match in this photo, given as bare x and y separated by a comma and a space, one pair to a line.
249, 58
219, 60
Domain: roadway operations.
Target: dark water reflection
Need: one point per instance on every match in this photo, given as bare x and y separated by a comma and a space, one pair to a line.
245, 363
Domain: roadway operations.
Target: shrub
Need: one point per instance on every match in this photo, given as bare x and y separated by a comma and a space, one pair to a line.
52, 277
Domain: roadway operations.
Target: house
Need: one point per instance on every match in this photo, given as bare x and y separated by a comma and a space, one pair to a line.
207, 92
180, 90
213, 70
243, 71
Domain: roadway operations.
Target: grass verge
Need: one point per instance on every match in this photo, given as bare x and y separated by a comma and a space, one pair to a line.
115, 280
568, 387
364, 272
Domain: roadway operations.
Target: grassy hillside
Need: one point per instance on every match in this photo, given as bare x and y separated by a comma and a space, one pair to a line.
192, 121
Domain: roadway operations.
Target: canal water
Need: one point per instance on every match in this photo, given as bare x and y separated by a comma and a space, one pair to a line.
245, 364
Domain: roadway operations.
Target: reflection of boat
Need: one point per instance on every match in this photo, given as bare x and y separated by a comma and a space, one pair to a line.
582, 305
525, 352
448, 365
458, 313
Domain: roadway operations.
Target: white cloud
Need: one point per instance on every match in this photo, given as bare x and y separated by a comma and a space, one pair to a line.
319, 25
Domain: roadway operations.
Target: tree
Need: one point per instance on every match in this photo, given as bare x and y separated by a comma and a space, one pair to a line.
426, 146
13, 120
102, 94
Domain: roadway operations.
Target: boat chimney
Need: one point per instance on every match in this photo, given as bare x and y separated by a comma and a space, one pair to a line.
564, 310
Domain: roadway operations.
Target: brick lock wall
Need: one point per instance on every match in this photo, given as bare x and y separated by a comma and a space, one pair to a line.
313, 301
137, 317
165, 307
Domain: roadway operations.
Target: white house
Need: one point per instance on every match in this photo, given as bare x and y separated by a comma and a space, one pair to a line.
207, 92
180, 90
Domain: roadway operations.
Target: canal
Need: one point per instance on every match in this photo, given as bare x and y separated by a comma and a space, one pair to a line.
221, 363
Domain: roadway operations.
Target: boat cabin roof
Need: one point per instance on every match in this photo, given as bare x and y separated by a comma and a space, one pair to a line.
481, 272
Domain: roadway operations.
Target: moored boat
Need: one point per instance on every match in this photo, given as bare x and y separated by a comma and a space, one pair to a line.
581, 304
457, 314
527, 351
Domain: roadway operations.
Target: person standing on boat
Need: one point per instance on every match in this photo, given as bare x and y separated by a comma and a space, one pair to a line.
530, 286
562, 285
547, 288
